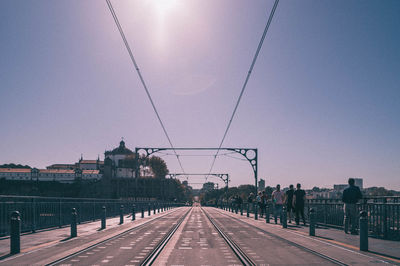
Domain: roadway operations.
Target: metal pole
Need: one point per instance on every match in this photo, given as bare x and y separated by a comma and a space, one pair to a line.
312, 222
142, 211
284, 217
74, 229
255, 167
121, 214
255, 211
33, 215
248, 210
133, 212
103, 218
149, 210
267, 213
363, 231
15, 233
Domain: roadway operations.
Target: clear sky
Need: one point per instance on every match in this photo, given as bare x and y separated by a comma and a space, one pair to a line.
322, 105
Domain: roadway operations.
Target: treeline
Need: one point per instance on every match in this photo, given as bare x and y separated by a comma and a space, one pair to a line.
13, 165
213, 196
161, 189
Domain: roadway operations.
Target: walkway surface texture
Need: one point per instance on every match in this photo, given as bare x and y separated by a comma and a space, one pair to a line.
196, 236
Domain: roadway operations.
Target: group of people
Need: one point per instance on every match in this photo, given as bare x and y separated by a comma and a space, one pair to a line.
293, 200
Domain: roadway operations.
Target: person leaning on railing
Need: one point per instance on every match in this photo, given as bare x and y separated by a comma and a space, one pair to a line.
351, 196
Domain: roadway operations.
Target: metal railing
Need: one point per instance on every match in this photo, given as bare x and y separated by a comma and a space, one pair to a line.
383, 213
47, 212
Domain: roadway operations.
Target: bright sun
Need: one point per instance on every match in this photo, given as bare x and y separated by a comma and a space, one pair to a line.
163, 6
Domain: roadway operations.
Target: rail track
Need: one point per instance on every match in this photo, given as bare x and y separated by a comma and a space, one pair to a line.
147, 260
246, 260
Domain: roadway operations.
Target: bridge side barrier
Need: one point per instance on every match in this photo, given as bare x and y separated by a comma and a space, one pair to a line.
383, 214
47, 212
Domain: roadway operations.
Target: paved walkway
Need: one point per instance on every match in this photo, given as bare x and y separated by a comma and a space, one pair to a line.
386, 249
49, 237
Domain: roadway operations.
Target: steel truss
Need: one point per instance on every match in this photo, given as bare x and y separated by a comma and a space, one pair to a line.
250, 154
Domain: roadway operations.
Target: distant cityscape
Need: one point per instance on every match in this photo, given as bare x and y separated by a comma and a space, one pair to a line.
120, 163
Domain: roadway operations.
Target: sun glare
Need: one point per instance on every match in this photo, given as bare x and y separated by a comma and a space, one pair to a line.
164, 6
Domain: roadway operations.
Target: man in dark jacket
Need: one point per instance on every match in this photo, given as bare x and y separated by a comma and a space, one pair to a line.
351, 195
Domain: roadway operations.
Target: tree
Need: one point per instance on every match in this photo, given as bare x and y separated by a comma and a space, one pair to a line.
12, 165
158, 166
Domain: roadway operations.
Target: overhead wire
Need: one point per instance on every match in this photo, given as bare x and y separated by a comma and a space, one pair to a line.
114, 15
271, 15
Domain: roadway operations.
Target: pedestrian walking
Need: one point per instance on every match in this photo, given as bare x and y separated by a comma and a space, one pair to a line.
250, 199
239, 202
350, 197
289, 202
258, 199
277, 198
263, 203
299, 197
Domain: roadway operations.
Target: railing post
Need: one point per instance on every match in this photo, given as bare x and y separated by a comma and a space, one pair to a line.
133, 212
312, 222
255, 212
363, 231
248, 210
385, 223
142, 211
103, 217
267, 213
94, 211
60, 223
74, 229
15, 233
33, 215
241, 209
154, 208
158, 208
149, 210
284, 217
121, 214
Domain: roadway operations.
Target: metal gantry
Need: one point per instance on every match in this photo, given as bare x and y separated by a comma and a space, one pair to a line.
250, 154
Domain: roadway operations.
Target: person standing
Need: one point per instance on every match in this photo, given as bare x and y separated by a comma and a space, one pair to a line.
350, 197
299, 197
277, 198
289, 202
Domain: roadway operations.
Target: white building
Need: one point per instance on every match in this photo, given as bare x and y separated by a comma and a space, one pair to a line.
58, 175
120, 162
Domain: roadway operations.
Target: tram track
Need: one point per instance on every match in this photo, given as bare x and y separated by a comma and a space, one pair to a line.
147, 260
242, 256
242, 253
150, 259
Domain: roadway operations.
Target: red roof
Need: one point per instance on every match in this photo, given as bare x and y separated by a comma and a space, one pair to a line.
15, 170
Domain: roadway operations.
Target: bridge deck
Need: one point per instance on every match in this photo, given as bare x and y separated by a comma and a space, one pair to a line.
206, 236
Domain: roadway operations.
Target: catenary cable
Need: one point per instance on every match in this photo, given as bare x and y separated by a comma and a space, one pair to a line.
114, 15
271, 15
